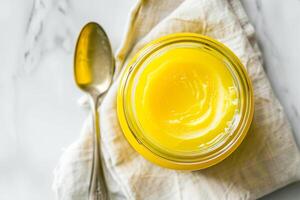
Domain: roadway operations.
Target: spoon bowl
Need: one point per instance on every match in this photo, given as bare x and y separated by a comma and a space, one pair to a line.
93, 62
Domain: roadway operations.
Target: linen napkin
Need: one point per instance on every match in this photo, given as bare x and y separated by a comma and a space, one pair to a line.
267, 159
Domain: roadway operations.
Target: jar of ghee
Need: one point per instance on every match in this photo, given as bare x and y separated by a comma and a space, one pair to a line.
185, 102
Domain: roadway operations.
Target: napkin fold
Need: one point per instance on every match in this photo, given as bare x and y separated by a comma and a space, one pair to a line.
267, 159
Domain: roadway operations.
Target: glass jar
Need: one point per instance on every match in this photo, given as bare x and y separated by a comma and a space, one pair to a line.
208, 154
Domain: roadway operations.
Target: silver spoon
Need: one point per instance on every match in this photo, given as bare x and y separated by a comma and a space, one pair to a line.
93, 71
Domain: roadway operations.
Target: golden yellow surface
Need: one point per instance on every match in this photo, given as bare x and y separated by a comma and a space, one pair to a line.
83, 70
185, 98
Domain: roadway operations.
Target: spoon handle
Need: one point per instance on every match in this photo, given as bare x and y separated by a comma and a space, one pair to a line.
97, 188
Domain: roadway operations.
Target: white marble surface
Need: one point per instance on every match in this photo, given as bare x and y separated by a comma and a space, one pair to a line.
39, 115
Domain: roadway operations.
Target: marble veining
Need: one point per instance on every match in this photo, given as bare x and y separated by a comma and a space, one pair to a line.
39, 115
43, 34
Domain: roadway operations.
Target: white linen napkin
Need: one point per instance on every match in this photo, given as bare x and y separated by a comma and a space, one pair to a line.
267, 159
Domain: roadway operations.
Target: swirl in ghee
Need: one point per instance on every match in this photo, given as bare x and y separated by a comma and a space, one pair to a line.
185, 98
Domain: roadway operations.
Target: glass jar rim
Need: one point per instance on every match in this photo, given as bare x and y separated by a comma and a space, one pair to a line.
158, 156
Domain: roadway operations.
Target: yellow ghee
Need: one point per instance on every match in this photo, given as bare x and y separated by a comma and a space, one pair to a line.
184, 98
185, 101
